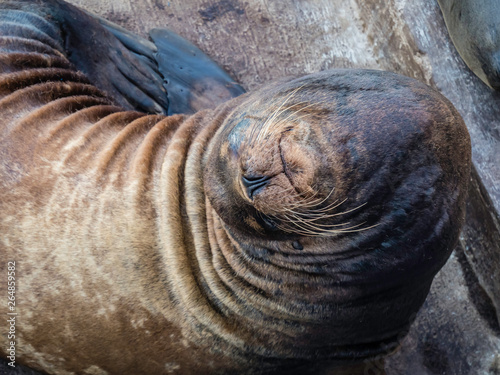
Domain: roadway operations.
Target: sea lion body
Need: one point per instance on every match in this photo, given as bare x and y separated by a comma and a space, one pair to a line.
474, 27
146, 244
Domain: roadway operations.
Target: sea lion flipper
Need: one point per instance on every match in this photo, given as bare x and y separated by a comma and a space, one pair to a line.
130, 40
119, 62
193, 80
168, 75
127, 75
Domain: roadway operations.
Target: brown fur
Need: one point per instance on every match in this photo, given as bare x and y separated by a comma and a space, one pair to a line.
137, 251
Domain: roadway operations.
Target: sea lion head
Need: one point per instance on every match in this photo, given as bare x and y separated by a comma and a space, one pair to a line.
356, 181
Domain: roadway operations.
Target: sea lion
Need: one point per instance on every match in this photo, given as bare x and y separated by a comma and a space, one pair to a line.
288, 230
474, 28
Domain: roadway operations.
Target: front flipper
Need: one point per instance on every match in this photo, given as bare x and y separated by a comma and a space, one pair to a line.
129, 75
167, 76
191, 79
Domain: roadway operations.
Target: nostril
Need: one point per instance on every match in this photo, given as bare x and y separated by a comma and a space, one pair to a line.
253, 183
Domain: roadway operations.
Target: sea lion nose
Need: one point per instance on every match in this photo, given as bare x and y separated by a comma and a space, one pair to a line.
254, 183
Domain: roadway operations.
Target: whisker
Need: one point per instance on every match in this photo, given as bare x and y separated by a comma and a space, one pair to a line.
319, 201
277, 128
323, 232
263, 129
323, 210
357, 230
315, 217
276, 113
312, 224
303, 229
351, 210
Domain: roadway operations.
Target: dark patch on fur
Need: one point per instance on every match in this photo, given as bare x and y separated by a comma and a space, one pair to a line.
220, 8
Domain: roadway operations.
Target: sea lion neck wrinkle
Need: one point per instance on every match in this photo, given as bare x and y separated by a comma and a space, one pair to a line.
184, 161
195, 257
207, 281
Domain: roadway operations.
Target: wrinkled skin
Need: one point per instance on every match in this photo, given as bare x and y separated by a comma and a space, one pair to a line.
293, 229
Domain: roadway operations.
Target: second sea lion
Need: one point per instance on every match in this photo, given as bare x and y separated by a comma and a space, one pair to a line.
474, 27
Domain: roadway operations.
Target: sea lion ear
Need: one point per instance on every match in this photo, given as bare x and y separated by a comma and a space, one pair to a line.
193, 81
